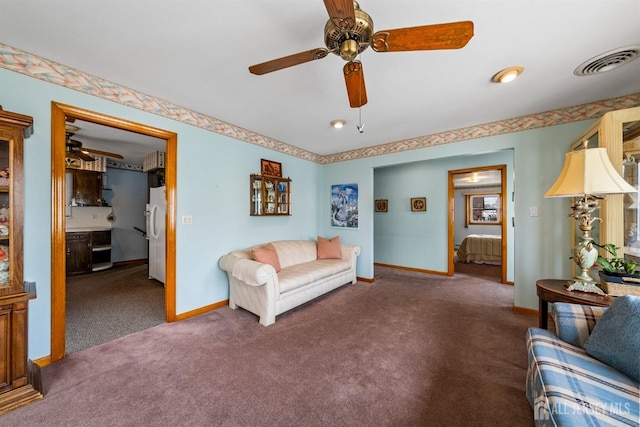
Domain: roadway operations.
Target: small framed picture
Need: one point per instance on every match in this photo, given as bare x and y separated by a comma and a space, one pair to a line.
269, 167
418, 204
382, 205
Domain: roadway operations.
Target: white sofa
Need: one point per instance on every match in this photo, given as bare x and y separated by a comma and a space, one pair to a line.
257, 287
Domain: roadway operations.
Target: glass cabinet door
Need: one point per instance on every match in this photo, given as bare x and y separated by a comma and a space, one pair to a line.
269, 197
256, 195
631, 152
5, 274
283, 197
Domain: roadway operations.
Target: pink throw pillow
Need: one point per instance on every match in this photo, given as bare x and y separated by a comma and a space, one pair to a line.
267, 255
329, 248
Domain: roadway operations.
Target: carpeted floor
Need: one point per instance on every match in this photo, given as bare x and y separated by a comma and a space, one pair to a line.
480, 271
110, 304
408, 350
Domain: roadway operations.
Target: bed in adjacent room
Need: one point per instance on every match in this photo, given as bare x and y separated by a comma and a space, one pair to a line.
481, 249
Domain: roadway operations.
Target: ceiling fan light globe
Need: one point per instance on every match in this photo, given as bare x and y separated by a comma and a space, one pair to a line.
349, 50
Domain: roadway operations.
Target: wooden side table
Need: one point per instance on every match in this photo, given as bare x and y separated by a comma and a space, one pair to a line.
554, 290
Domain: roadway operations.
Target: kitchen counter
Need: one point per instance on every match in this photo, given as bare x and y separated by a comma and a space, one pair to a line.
86, 229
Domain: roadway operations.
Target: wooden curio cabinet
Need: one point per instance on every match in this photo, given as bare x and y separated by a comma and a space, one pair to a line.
17, 376
269, 195
619, 132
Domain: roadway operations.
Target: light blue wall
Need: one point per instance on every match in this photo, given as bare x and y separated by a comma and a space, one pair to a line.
213, 173
212, 186
420, 239
541, 245
127, 195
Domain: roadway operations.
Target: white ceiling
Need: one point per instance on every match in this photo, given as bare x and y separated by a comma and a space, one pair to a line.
479, 178
196, 54
132, 146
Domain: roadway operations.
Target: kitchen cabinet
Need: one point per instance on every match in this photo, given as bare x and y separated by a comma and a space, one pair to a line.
88, 251
19, 381
101, 250
78, 253
87, 188
269, 195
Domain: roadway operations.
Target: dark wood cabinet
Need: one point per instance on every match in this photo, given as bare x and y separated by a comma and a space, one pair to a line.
78, 253
87, 188
16, 376
88, 251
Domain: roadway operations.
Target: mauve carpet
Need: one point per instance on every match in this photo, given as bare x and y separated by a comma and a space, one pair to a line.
408, 350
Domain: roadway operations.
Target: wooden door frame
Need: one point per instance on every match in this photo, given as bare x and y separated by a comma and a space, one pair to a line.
503, 210
59, 115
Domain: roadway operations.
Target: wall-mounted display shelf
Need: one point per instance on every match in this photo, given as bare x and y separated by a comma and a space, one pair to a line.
269, 195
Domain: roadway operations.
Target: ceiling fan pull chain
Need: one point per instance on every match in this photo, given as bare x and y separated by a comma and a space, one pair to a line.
360, 125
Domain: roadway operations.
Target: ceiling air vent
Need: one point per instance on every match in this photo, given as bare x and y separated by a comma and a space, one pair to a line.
608, 61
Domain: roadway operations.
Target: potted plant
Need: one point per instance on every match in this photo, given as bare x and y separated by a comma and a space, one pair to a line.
618, 275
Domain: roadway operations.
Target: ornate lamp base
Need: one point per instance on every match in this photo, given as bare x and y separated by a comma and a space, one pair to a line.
585, 254
585, 287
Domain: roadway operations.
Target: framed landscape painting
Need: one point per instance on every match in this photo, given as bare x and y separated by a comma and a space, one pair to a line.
269, 167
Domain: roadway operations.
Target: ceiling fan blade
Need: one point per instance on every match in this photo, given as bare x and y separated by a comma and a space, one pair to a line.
453, 35
84, 156
76, 154
354, 77
104, 153
288, 61
341, 9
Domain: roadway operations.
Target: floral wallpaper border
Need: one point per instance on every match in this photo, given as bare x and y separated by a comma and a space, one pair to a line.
16, 60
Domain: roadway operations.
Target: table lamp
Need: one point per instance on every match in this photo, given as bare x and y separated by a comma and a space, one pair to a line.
588, 174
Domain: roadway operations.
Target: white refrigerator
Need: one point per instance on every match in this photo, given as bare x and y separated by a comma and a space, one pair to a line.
156, 213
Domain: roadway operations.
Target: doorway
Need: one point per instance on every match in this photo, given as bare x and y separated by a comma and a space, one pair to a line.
491, 216
60, 115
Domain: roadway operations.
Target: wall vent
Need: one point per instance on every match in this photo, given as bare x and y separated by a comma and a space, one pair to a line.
608, 61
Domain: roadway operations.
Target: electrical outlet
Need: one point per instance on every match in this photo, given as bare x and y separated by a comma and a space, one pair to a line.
187, 219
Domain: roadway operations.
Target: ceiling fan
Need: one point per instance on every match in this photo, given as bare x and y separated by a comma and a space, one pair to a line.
349, 31
77, 151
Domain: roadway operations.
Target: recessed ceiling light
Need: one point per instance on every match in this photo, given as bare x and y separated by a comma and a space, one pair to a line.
338, 123
508, 74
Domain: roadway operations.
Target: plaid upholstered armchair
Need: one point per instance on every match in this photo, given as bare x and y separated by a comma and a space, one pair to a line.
588, 373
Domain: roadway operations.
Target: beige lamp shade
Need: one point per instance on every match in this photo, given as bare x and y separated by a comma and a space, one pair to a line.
588, 171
